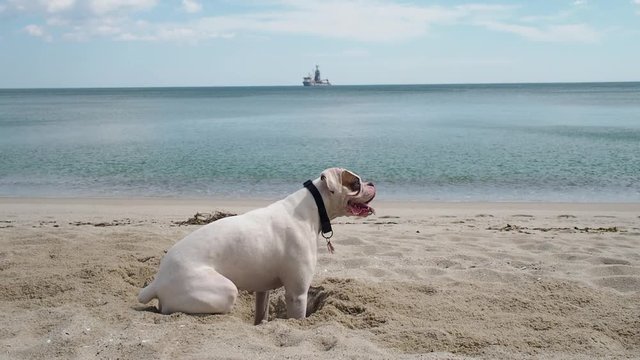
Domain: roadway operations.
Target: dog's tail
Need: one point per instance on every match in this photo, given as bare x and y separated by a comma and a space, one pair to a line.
148, 293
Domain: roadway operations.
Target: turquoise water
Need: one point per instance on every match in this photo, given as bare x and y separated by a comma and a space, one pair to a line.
519, 142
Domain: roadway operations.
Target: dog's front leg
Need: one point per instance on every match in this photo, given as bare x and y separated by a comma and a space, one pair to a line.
296, 304
262, 307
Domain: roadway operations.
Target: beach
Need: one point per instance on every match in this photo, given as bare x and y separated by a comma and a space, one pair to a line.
429, 280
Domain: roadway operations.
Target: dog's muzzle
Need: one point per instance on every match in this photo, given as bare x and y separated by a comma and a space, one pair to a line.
359, 206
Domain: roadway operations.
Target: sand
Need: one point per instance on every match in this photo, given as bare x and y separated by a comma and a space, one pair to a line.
417, 280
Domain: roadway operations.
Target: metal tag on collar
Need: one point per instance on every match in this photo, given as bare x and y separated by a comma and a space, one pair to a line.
329, 244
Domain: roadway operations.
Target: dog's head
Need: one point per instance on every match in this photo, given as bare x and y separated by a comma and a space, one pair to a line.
348, 195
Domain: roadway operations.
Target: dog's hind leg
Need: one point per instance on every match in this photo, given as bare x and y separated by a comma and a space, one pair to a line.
262, 307
204, 291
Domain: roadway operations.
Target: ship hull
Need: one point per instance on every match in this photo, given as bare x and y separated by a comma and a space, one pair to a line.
310, 83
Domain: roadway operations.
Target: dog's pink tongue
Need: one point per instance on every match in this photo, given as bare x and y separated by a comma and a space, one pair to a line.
361, 210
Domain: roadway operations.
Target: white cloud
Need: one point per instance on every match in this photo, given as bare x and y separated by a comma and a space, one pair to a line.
358, 20
57, 21
79, 20
368, 21
83, 8
354, 20
191, 6
109, 27
189, 33
102, 7
552, 33
346, 20
34, 30
560, 16
376, 21
37, 31
54, 6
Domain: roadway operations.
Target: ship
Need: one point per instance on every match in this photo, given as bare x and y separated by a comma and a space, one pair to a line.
315, 80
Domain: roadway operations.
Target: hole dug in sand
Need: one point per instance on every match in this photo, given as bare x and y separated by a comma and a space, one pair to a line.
343, 300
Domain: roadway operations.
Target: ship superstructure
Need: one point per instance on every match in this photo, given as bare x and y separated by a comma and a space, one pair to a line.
315, 80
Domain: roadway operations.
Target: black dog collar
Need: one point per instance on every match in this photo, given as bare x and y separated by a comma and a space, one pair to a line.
325, 223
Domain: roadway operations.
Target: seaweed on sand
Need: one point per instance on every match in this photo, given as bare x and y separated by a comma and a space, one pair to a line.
204, 218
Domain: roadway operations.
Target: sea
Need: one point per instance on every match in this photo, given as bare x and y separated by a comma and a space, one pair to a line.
560, 142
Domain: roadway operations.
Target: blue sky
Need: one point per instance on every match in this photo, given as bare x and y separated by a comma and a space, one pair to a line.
111, 43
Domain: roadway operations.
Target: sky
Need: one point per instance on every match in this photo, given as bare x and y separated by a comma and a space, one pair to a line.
140, 43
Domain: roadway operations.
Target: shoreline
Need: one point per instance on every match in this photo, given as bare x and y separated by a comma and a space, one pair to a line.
142, 200
161, 209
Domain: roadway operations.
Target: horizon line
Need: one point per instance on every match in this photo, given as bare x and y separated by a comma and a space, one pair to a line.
301, 86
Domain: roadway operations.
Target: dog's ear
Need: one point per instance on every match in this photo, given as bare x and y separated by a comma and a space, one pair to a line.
333, 178
351, 182
339, 180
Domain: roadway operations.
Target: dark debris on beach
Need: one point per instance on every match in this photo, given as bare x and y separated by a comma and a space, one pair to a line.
204, 218
523, 229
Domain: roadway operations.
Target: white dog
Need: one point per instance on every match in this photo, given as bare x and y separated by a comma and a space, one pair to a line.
258, 251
